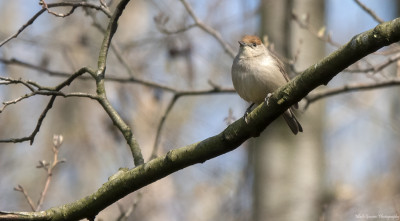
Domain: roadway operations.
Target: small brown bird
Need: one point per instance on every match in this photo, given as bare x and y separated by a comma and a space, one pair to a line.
256, 73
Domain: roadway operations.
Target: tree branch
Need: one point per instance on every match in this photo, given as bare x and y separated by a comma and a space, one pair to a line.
21, 189
350, 88
369, 11
61, 4
208, 29
161, 20
320, 34
101, 91
57, 141
41, 90
31, 137
232, 137
376, 68
14, 61
111, 29
171, 104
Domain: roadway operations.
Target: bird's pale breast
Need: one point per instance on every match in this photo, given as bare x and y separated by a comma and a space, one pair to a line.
254, 82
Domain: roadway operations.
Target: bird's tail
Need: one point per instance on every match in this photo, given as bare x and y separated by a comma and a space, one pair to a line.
292, 122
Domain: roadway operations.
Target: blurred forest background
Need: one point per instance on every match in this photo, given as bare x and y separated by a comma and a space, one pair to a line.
344, 166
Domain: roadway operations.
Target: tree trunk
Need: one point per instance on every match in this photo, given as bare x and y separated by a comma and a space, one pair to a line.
288, 168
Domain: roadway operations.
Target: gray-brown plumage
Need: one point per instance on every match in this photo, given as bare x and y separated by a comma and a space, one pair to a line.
256, 72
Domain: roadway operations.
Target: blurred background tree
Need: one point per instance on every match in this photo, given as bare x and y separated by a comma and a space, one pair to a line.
288, 168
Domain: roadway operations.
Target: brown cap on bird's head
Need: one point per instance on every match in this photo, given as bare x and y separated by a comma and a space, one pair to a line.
249, 40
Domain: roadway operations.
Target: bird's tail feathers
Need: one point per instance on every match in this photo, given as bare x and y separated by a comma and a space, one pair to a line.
292, 122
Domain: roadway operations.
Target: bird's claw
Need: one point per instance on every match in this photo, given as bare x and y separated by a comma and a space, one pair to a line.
248, 110
267, 98
245, 117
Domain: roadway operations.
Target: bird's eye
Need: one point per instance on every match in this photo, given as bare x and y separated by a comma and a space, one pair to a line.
254, 44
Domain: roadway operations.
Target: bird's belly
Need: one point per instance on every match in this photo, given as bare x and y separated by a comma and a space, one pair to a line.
254, 86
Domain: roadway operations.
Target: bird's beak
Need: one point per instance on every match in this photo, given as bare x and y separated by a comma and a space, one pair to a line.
241, 43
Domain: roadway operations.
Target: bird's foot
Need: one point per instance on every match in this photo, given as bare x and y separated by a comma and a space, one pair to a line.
267, 98
245, 117
248, 110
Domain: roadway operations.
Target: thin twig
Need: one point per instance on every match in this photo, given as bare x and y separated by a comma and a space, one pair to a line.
349, 88
48, 91
7, 81
376, 68
171, 32
171, 104
31, 137
131, 79
61, 4
19, 188
115, 49
57, 141
14, 61
160, 126
125, 213
370, 12
320, 34
61, 15
114, 46
161, 20
7, 103
208, 29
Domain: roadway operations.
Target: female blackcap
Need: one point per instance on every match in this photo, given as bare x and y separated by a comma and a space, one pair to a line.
256, 73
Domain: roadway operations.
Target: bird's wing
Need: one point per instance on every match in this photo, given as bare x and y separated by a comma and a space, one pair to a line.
284, 73
281, 66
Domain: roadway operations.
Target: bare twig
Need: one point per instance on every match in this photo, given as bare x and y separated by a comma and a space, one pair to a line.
376, 68
171, 104
19, 188
370, 12
160, 126
61, 4
57, 141
170, 32
37, 128
48, 167
44, 5
14, 61
161, 20
320, 34
208, 29
125, 213
72, 94
41, 90
131, 79
30, 21
48, 91
100, 86
54, 90
114, 48
350, 88
6, 103
7, 81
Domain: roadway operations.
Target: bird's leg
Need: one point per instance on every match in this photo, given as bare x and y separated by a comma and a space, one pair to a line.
267, 98
248, 110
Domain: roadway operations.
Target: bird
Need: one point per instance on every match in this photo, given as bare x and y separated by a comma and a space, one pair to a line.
257, 73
